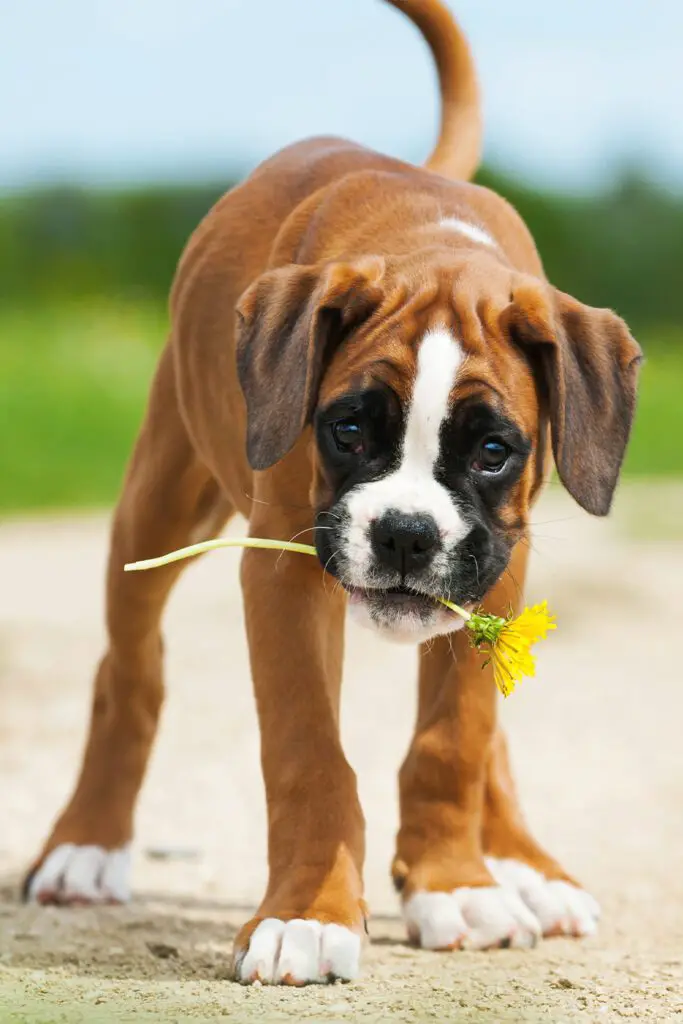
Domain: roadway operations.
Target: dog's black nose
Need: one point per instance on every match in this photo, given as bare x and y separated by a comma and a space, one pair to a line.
405, 542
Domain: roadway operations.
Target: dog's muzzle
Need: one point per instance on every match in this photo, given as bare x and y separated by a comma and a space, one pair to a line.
404, 543
393, 570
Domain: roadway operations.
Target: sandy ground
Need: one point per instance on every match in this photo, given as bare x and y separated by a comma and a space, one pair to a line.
596, 741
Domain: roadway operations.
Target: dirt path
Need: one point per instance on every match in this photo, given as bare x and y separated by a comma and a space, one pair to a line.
596, 742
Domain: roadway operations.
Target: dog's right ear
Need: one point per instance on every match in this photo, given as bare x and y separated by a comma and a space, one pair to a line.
289, 322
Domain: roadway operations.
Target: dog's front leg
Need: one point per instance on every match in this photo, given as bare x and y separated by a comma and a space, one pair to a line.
310, 923
450, 899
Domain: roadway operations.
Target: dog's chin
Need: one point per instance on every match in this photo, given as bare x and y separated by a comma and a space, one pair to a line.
401, 616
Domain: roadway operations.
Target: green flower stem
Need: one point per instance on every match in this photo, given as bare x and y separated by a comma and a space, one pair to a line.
287, 545
467, 616
220, 542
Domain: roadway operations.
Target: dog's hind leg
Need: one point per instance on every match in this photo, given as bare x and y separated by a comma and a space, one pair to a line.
517, 861
450, 897
168, 498
469, 871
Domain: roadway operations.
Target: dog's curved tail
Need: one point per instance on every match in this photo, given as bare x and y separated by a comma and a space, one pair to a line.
457, 153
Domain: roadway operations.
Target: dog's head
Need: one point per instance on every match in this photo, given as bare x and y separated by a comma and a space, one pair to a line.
435, 391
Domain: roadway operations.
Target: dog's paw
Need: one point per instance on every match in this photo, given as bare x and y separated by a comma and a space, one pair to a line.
80, 875
470, 918
299, 952
561, 908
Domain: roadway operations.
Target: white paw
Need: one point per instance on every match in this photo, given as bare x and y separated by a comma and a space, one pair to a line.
82, 874
299, 953
480, 918
562, 908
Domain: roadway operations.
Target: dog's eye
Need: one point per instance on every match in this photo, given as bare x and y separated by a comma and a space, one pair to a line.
348, 436
491, 456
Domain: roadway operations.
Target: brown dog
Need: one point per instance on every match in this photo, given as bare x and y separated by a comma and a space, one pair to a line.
369, 351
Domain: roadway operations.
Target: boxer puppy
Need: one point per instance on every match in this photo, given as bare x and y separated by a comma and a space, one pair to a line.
368, 353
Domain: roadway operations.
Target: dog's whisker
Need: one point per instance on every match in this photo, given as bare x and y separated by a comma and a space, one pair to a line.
309, 529
551, 522
511, 575
333, 515
276, 504
325, 572
341, 582
299, 534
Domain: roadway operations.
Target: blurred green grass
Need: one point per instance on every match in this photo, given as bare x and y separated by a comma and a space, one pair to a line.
73, 385
74, 379
655, 449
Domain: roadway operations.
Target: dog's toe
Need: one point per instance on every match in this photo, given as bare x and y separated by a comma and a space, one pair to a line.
561, 908
73, 875
299, 952
470, 918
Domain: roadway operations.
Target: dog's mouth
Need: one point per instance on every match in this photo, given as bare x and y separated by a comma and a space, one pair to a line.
402, 613
401, 600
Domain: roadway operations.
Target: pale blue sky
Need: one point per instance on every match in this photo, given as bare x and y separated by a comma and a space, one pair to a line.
116, 90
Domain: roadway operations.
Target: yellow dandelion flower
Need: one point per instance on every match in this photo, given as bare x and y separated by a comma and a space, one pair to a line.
511, 663
508, 642
534, 623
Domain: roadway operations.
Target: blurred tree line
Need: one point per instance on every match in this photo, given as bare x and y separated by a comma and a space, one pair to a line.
620, 247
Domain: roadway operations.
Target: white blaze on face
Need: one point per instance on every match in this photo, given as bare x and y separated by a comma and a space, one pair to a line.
412, 488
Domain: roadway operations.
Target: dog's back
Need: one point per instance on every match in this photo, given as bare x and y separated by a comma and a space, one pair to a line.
283, 182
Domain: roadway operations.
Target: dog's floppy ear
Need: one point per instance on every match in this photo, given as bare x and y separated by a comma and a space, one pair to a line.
587, 365
289, 322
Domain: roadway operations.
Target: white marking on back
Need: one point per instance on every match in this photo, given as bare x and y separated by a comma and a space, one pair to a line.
471, 231
412, 487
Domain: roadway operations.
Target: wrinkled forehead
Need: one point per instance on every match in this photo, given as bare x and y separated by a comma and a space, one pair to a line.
435, 370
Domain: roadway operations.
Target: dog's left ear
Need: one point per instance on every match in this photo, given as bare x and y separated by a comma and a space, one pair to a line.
289, 322
587, 364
